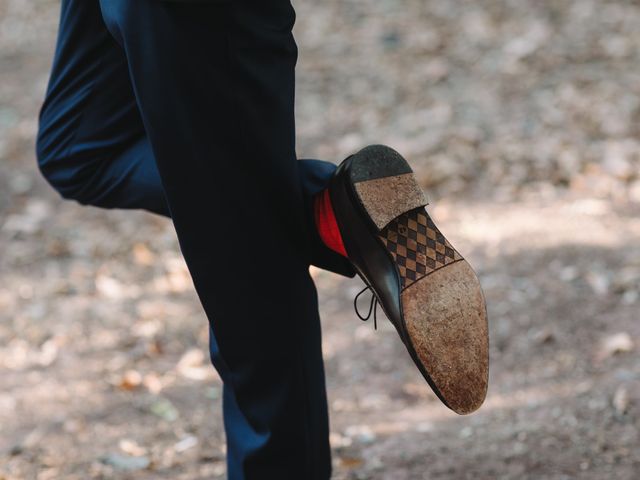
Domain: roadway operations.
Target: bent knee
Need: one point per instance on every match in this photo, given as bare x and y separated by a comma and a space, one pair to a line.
65, 182
63, 174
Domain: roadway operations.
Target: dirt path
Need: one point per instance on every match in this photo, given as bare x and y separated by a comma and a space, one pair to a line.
95, 362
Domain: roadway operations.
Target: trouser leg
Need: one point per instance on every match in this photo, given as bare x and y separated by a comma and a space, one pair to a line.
214, 84
92, 146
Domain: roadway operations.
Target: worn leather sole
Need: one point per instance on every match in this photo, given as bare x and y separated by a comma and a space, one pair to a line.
442, 311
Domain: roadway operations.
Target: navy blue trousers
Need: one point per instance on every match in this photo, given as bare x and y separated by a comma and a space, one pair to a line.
187, 110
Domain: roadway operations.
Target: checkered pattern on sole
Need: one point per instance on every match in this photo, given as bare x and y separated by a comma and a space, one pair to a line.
417, 246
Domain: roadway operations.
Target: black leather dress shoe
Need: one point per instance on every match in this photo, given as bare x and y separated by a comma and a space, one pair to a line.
425, 287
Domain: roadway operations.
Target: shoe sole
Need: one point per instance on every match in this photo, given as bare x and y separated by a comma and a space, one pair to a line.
442, 305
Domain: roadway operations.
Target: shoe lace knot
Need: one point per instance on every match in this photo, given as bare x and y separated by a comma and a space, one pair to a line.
373, 307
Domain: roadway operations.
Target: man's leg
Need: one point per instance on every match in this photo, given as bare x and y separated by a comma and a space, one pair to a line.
92, 146
215, 85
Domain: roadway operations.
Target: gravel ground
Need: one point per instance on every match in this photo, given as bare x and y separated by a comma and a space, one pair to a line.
522, 122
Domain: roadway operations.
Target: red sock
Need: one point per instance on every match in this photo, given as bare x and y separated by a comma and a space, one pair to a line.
326, 223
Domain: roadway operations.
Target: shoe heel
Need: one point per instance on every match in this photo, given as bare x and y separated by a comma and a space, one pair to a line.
385, 184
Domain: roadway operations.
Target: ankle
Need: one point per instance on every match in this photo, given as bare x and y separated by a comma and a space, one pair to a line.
326, 223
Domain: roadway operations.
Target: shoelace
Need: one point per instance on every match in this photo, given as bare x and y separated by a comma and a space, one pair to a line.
373, 307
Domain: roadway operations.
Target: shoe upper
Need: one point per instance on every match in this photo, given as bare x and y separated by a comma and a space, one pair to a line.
364, 247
